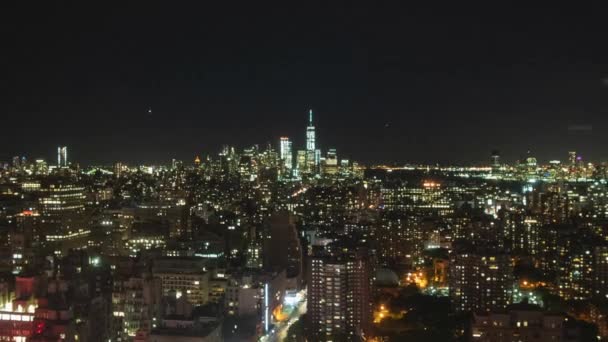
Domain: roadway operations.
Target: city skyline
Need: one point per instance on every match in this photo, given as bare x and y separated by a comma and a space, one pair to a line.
313, 153
303, 172
388, 84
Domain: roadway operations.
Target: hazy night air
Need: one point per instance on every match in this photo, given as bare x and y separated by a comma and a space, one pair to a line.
303, 172
452, 82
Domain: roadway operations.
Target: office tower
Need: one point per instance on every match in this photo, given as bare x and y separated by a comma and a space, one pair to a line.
16, 163
331, 162
62, 156
310, 134
63, 221
480, 280
572, 158
118, 168
41, 167
340, 291
300, 162
286, 153
312, 159
495, 159
62, 198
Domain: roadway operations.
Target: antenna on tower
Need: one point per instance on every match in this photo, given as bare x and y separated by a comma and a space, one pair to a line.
310, 117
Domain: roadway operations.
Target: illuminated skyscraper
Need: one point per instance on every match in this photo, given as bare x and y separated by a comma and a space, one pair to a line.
310, 134
300, 162
313, 155
62, 156
310, 161
286, 153
118, 169
40, 167
330, 166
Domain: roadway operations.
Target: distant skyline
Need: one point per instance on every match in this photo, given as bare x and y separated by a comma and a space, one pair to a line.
388, 84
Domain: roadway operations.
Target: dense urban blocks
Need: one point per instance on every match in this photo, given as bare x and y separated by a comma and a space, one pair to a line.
389, 172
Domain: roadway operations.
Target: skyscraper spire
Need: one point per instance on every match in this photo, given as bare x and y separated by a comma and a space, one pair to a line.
310, 134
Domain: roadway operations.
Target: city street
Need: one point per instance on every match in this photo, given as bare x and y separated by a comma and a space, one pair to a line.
279, 332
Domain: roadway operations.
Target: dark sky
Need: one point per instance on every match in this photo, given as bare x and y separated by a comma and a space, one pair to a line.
387, 83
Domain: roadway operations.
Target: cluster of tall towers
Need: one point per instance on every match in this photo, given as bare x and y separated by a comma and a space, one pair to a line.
306, 161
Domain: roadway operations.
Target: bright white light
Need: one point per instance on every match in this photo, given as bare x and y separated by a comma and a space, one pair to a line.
266, 313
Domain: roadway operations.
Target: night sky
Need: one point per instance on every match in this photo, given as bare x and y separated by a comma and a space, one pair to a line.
387, 84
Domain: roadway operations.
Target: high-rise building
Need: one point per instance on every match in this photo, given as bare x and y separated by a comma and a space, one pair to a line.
62, 156
253, 253
575, 275
331, 162
600, 279
525, 235
310, 134
62, 198
495, 159
286, 153
480, 281
64, 223
313, 155
17, 163
282, 249
41, 167
340, 290
118, 169
310, 161
572, 158
300, 162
